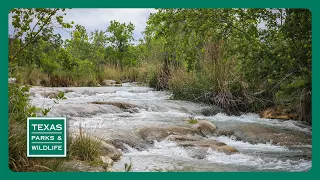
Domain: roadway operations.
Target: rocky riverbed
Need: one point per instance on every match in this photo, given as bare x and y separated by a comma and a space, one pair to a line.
145, 126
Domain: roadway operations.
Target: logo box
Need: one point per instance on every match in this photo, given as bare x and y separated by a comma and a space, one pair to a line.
46, 137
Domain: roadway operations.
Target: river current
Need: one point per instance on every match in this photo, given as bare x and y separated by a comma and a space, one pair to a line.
262, 144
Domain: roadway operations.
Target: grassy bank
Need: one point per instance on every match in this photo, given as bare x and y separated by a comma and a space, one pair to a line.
88, 77
80, 146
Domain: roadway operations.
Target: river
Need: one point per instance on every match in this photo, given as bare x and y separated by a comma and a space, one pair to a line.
262, 144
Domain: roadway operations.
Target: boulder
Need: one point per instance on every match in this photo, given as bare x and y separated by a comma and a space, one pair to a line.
128, 141
106, 160
110, 151
213, 144
274, 113
151, 134
227, 149
109, 82
204, 127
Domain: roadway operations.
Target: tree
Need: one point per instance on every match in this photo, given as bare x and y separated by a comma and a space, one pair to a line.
31, 23
245, 52
79, 44
120, 39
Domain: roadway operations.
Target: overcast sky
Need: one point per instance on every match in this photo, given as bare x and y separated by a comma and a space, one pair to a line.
100, 19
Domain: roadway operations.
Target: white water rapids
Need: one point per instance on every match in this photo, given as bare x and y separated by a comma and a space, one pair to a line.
257, 152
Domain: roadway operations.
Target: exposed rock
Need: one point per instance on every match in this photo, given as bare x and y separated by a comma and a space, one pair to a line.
223, 132
79, 110
198, 153
98, 102
133, 110
257, 133
227, 149
151, 134
120, 105
202, 128
128, 141
108, 82
205, 127
203, 143
12, 80
106, 160
110, 151
274, 113
178, 138
50, 95
68, 90
213, 144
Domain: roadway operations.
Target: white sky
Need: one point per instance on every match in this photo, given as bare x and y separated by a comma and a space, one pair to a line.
100, 19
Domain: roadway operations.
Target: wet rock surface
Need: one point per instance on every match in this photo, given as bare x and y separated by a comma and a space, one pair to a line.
110, 151
274, 113
193, 136
255, 133
152, 130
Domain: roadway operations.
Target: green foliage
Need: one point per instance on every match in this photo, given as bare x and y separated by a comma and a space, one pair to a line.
19, 107
230, 59
192, 121
127, 167
22, 20
121, 36
45, 111
61, 95
84, 147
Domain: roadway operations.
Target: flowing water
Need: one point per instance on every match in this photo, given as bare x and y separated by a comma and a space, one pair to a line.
263, 144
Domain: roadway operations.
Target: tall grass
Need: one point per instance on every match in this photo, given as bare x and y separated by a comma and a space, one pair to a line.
80, 147
217, 82
18, 160
30, 75
143, 73
84, 147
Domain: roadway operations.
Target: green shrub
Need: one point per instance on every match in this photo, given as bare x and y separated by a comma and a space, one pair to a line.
192, 121
186, 86
19, 110
84, 147
30, 75
19, 107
